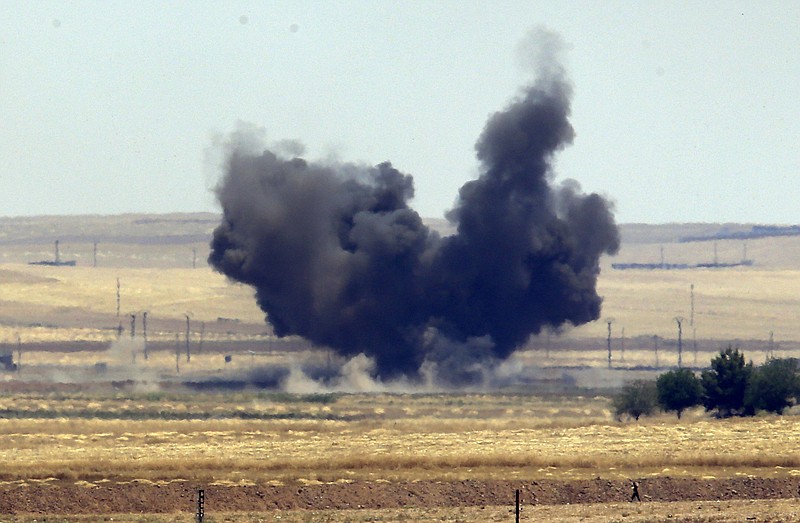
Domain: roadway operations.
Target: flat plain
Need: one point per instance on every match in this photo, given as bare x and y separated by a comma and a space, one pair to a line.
86, 417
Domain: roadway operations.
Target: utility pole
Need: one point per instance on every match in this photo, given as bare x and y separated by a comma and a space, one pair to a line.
117, 297
133, 336
679, 321
771, 347
609, 321
188, 354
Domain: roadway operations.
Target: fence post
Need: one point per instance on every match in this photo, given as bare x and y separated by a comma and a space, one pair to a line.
517, 510
201, 498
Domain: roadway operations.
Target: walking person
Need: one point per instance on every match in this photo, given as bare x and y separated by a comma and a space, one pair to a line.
635, 494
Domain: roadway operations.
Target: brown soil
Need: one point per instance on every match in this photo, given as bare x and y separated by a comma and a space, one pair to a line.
67, 498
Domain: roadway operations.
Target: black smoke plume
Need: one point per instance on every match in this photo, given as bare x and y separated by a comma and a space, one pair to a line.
336, 255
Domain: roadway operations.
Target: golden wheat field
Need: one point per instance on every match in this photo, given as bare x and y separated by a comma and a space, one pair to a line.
249, 438
112, 416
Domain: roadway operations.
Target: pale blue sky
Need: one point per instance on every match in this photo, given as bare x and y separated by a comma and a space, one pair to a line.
684, 111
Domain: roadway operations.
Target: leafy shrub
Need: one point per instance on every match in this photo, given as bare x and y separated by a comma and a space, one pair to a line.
636, 399
678, 390
773, 386
725, 384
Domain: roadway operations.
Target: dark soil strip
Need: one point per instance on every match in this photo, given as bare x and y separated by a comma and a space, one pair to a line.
66, 498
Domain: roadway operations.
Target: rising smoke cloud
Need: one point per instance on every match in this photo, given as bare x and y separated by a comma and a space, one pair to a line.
337, 256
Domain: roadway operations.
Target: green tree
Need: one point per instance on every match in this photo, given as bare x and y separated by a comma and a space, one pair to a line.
724, 385
773, 386
636, 399
678, 390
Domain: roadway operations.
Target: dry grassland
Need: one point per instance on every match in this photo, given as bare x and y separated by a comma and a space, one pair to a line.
743, 303
729, 303
47, 304
386, 437
392, 437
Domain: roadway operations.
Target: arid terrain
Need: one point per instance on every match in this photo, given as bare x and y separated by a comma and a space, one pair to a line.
109, 415
383, 457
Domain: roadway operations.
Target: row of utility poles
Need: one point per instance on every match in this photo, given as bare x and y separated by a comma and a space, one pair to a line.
187, 315
94, 255
680, 321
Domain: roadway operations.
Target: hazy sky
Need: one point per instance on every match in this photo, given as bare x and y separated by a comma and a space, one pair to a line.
684, 111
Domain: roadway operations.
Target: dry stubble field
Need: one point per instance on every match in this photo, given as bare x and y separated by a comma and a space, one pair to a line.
470, 450
86, 442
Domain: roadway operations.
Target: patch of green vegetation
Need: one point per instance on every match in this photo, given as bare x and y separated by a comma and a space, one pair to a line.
286, 397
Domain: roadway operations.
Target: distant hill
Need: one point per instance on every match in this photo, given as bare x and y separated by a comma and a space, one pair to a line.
181, 238
707, 244
673, 232
756, 231
122, 228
